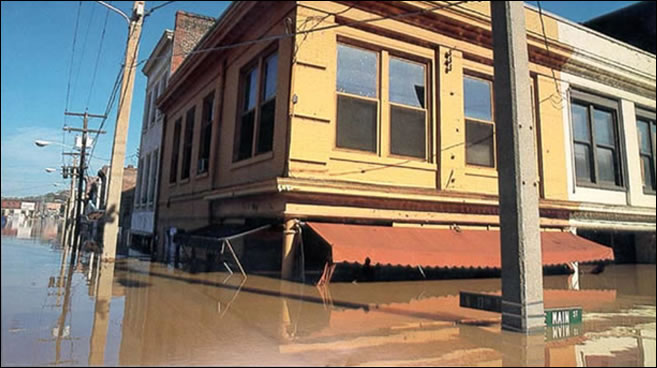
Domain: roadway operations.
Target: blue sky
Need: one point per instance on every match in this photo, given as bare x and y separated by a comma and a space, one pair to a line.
37, 43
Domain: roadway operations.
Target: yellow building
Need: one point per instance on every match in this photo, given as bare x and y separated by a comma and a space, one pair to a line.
381, 113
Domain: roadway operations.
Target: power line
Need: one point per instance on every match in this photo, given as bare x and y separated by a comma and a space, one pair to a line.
100, 49
70, 70
82, 53
547, 49
148, 12
582, 51
319, 29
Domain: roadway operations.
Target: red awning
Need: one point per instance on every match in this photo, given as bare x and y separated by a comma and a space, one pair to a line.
445, 248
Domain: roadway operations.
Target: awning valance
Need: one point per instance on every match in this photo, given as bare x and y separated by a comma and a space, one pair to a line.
445, 247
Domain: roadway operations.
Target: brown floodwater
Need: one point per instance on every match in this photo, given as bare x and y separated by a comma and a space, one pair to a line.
134, 312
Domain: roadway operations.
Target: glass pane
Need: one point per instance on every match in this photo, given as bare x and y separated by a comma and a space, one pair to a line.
407, 83
583, 162
652, 134
175, 151
244, 136
644, 136
266, 129
357, 71
604, 127
271, 68
407, 132
356, 123
250, 80
580, 123
606, 165
477, 99
145, 179
479, 144
647, 173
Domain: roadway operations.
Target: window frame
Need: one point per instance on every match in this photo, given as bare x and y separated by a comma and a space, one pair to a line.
257, 64
382, 100
467, 73
206, 128
146, 180
175, 151
591, 101
188, 143
647, 116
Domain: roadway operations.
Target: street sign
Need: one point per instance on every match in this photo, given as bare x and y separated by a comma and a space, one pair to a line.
563, 316
487, 302
493, 303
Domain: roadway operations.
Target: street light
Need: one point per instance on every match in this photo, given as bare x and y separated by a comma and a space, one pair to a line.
41, 143
77, 145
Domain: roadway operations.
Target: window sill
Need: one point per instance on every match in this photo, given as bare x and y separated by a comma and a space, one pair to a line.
202, 175
601, 187
183, 181
171, 185
252, 160
649, 192
482, 171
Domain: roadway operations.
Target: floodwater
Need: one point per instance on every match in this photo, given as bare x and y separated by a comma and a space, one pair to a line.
134, 312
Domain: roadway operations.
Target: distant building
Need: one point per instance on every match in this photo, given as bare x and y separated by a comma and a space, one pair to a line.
634, 24
168, 54
11, 207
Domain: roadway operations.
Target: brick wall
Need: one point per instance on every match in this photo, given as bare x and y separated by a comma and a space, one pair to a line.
189, 29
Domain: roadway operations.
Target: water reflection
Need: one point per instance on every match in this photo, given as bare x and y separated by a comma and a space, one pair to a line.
23, 227
135, 312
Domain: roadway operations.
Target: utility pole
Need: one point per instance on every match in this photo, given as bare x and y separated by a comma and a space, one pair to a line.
115, 177
85, 122
522, 270
69, 213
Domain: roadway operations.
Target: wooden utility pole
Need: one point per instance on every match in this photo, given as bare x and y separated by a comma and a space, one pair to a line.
522, 271
69, 213
115, 177
85, 130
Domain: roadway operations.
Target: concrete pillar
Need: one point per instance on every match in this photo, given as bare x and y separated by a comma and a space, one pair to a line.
115, 177
288, 251
522, 272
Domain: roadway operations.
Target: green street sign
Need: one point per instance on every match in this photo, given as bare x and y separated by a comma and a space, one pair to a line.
563, 316
493, 303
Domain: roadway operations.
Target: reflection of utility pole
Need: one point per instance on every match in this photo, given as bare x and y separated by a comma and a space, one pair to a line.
101, 313
65, 307
85, 121
115, 176
522, 272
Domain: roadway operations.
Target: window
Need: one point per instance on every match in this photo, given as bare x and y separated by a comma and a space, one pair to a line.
187, 143
479, 124
146, 179
254, 132
595, 140
160, 91
206, 134
646, 133
408, 114
147, 107
359, 102
140, 179
151, 107
175, 151
153, 176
